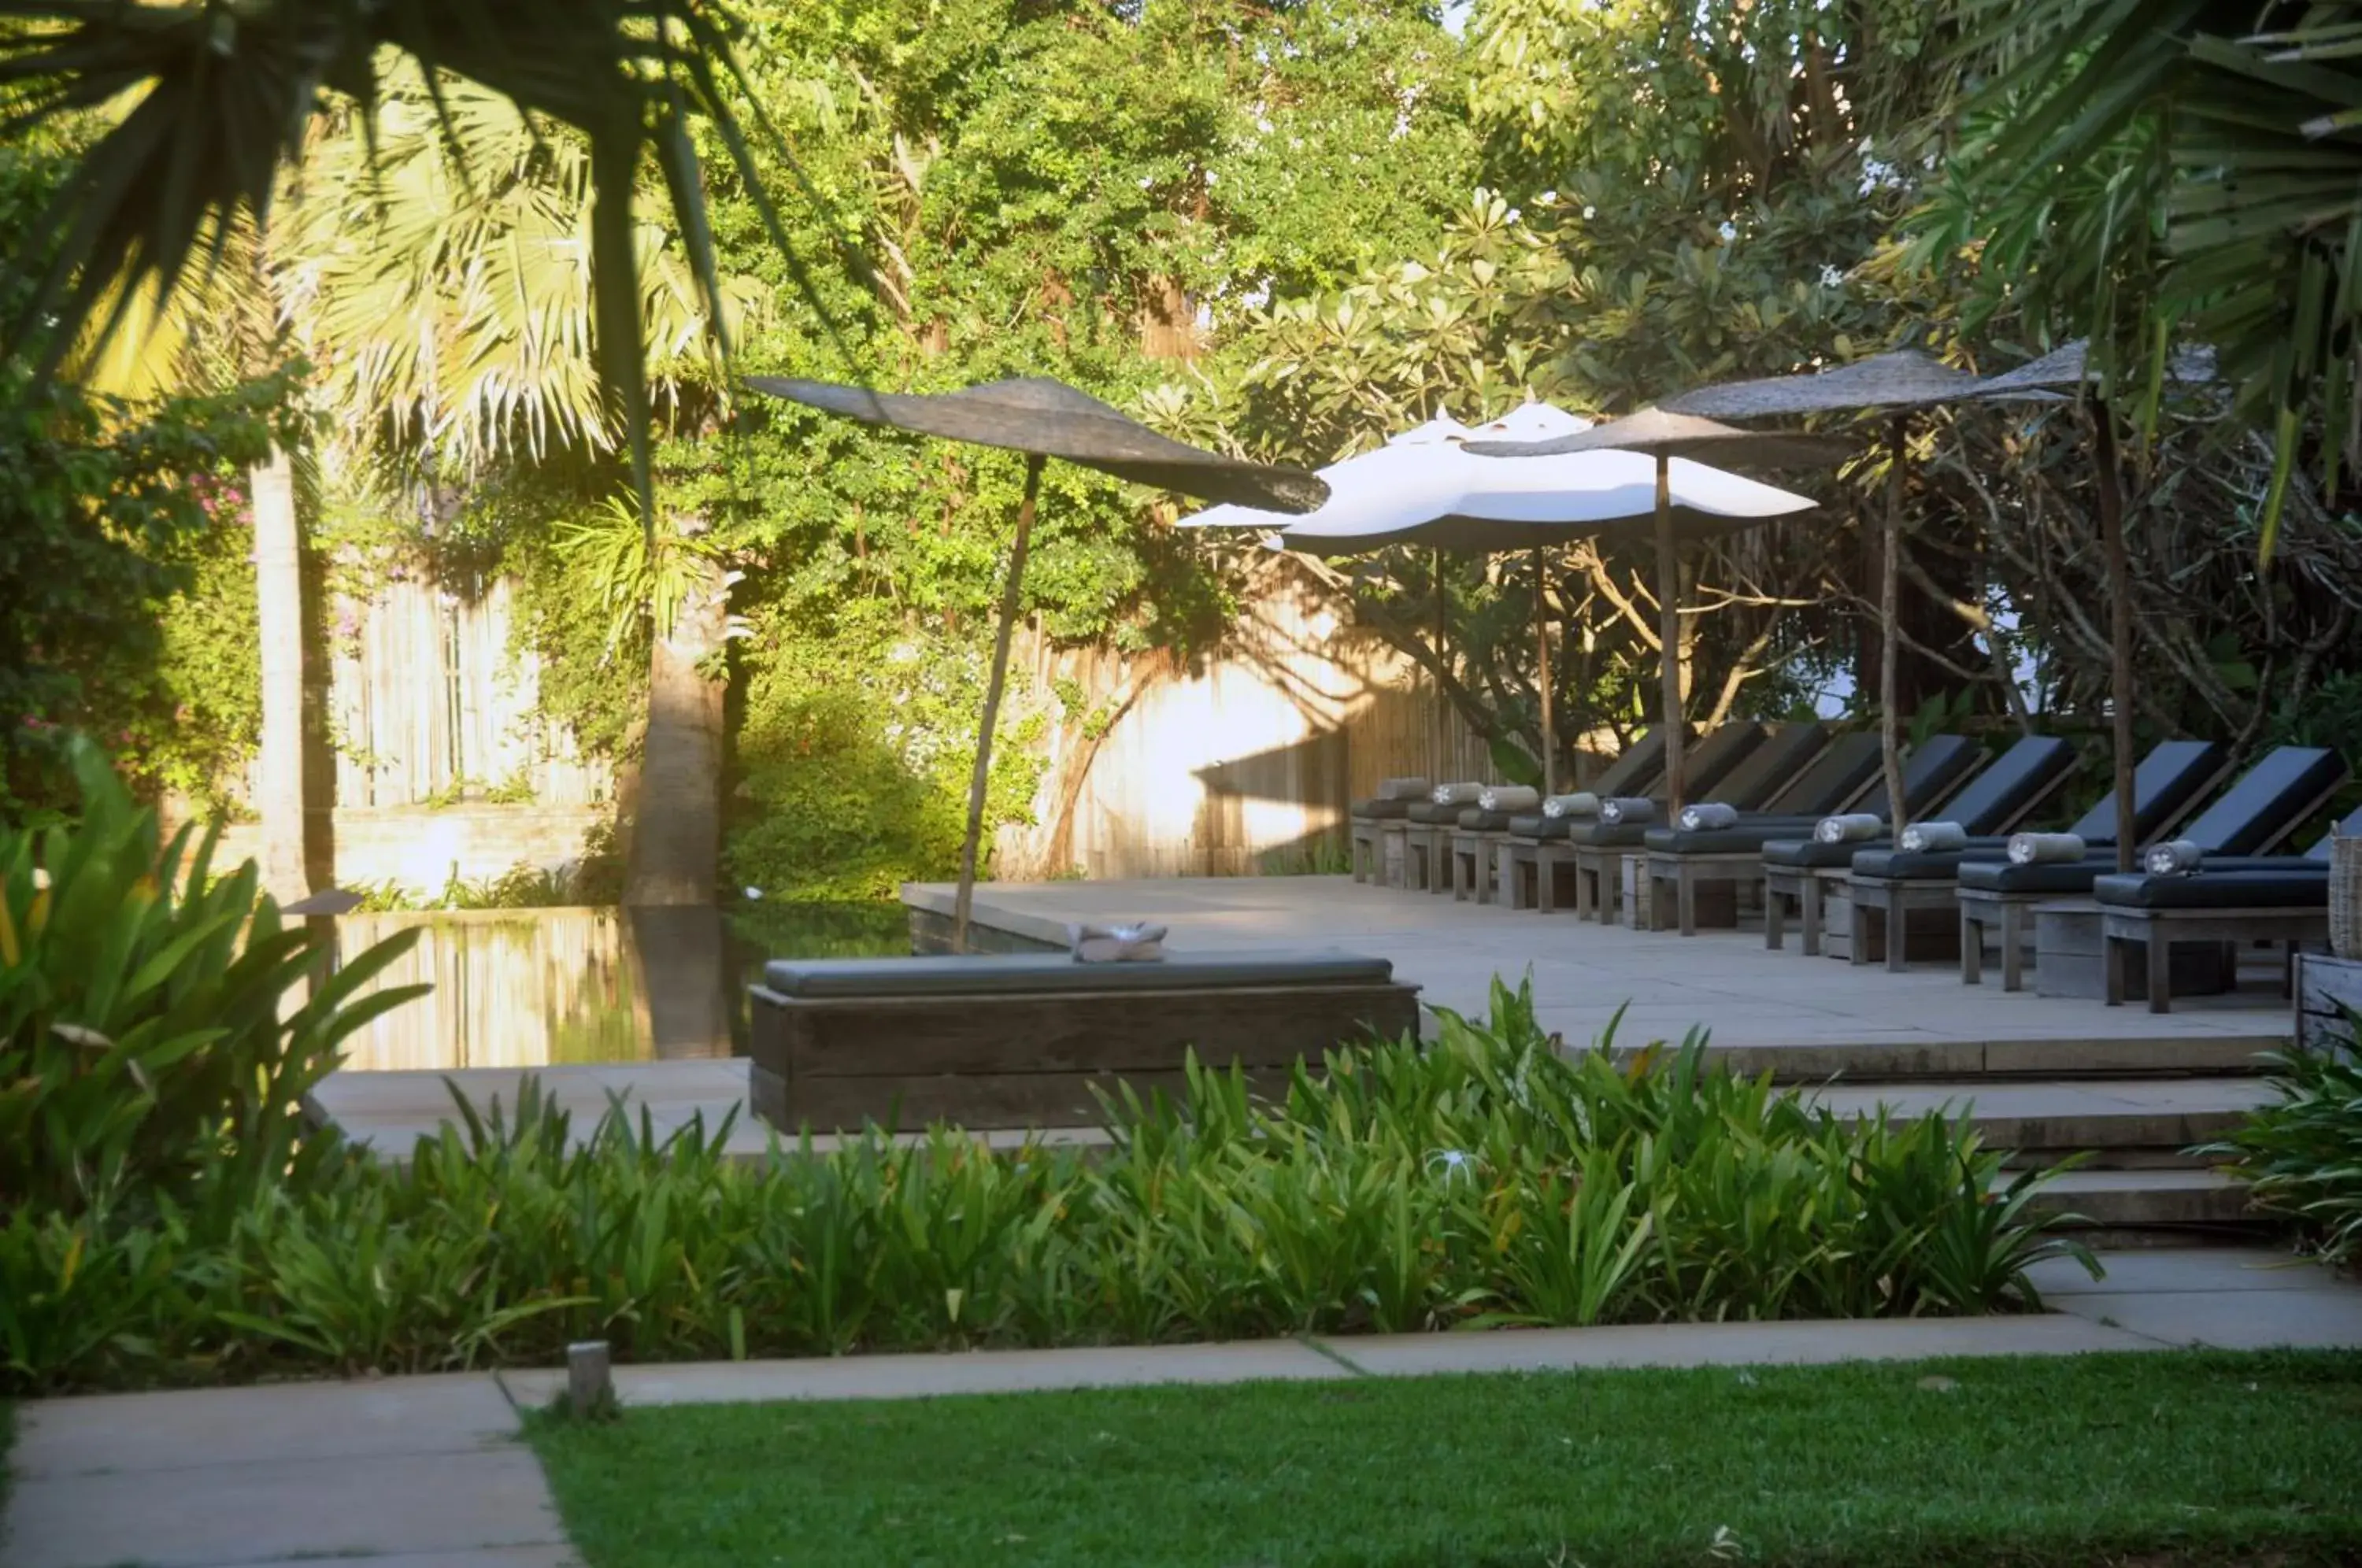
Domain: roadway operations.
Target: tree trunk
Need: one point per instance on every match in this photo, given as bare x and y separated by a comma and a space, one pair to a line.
675, 842
284, 796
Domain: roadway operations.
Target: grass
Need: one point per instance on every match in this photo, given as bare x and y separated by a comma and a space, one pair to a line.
2180, 1458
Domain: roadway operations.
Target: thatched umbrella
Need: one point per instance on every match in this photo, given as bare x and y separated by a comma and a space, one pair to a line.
1045, 418
1888, 386
1655, 433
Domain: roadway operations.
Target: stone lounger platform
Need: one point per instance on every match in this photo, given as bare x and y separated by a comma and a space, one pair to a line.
1009, 1040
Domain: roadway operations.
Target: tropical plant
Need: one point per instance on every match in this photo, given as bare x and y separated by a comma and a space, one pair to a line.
2301, 1156
2191, 164
142, 1041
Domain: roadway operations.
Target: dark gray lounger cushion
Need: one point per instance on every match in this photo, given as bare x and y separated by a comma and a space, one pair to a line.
2015, 784
1435, 815
2164, 785
1888, 863
2045, 877
1835, 776
2268, 801
1020, 974
2289, 889
1643, 764
1382, 811
1705, 765
1768, 768
1606, 836
1538, 826
1811, 854
1476, 819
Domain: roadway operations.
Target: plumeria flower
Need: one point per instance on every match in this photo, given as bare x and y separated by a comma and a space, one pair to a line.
1729, 231
1831, 278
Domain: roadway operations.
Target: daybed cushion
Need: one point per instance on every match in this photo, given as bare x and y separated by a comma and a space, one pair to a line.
2043, 877
1892, 865
2290, 889
1020, 974
1811, 854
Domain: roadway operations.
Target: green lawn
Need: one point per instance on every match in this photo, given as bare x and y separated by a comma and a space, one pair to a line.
2210, 1459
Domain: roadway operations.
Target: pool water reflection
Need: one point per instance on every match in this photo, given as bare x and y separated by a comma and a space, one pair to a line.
530, 988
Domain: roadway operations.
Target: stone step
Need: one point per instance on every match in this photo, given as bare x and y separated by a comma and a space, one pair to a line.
2185, 1200
2137, 1122
2226, 1053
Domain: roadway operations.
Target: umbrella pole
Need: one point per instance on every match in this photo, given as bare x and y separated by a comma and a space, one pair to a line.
1541, 647
1669, 636
1890, 567
1439, 731
2120, 622
977, 782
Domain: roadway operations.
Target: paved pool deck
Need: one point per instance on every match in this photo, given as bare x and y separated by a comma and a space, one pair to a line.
432, 1472
1804, 1019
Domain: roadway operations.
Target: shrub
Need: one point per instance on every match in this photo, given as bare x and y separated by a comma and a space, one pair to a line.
2302, 1157
1484, 1180
144, 1037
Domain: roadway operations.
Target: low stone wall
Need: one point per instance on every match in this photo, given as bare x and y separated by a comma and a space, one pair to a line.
421, 848
931, 932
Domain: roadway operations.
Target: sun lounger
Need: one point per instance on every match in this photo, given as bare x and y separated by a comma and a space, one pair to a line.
1885, 886
2235, 901
1528, 856
1003, 1039
1683, 860
1993, 801
1763, 776
2269, 801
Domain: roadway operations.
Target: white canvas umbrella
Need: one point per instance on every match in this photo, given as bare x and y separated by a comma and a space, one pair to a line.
1424, 488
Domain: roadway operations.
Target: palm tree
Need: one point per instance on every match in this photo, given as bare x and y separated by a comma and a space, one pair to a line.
448, 309
2161, 165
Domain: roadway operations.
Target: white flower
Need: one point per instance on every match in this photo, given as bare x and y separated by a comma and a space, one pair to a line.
1514, 214
1590, 212
1547, 199
755, 894
1831, 278
1729, 231
1453, 1162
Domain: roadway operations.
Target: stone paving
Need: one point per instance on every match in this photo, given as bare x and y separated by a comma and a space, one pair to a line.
1801, 1018
429, 1473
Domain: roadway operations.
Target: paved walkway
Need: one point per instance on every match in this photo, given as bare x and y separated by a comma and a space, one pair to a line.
428, 1471
1727, 982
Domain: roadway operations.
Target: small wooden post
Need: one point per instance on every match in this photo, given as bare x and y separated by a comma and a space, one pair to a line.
589, 1381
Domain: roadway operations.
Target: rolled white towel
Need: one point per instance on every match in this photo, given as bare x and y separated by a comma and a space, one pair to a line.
1457, 794
1923, 838
1134, 943
1707, 815
1582, 803
2032, 848
1509, 798
2174, 858
1852, 828
1627, 810
1404, 789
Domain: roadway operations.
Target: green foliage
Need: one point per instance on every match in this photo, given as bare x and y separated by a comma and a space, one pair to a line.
2302, 1156
1487, 1179
141, 1039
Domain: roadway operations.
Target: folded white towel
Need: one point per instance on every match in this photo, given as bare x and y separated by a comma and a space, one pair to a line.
1404, 789
2174, 858
1922, 838
1457, 794
1136, 943
1509, 798
1852, 828
1707, 815
2032, 848
1582, 803
1627, 810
